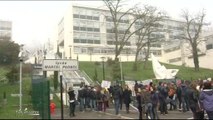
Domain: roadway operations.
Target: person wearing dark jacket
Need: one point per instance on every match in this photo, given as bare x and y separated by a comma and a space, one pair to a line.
184, 97
193, 100
154, 99
81, 98
148, 103
72, 101
139, 101
163, 95
127, 97
117, 93
206, 98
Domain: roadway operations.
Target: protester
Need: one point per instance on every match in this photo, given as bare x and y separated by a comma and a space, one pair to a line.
117, 93
72, 101
163, 94
172, 95
148, 103
184, 96
127, 97
154, 100
194, 103
81, 98
206, 98
139, 101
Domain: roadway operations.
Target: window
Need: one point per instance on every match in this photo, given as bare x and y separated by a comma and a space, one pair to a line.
76, 41
89, 17
83, 41
96, 41
96, 30
75, 16
95, 18
110, 42
83, 16
83, 28
175, 60
210, 46
89, 29
90, 41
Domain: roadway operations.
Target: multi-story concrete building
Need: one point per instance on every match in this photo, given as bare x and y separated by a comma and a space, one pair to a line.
5, 30
86, 34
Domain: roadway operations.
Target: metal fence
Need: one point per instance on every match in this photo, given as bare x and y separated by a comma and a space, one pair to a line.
41, 96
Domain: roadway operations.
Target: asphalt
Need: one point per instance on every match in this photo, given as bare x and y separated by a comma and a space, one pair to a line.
110, 114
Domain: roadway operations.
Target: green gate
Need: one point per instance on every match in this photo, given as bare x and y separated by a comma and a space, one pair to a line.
41, 96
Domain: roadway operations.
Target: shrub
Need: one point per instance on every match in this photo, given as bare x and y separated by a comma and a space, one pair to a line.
12, 75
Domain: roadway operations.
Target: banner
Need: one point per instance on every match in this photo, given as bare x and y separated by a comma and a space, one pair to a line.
160, 71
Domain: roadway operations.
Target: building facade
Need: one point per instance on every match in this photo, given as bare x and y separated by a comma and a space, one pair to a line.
86, 34
5, 30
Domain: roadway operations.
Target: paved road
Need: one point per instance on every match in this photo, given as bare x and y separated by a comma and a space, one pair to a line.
110, 114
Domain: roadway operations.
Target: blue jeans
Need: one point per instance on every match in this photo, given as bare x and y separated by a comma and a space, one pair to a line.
149, 110
87, 102
117, 106
72, 109
93, 104
81, 104
185, 105
155, 113
210, 114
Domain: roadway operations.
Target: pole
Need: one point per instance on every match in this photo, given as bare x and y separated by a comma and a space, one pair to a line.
121, 71
62, 106
70, 52
103, 71
20, 95
66, 94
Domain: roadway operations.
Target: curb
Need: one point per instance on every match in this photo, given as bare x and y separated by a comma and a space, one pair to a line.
120, 116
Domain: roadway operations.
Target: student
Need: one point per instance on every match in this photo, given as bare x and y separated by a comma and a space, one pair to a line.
72, 101
206, 98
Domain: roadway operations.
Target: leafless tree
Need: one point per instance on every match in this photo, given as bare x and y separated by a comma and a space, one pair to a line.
117, 14
193, 27
150, 17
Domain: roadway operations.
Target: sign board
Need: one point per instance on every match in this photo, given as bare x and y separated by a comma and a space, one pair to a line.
57, 64
15, 95
105, 84
37, 69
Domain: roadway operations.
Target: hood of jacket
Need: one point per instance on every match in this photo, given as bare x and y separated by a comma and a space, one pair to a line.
208, 92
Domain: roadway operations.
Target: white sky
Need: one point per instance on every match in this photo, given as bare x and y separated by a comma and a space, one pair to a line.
34, 21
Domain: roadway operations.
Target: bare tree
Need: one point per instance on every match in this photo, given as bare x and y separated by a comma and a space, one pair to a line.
117, 15
150, 18
193, 27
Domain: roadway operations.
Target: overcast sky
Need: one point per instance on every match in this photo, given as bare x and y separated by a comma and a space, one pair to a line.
34, 21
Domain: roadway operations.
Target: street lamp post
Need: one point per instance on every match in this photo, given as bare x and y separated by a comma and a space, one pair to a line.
70, 52
20, 76
121, 71
103, 58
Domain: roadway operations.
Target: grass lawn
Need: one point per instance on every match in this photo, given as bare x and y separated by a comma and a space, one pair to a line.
9, 111
142, 74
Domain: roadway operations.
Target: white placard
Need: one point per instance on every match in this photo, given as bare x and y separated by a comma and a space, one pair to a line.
56, 64
131, 85
105, 84
146, 82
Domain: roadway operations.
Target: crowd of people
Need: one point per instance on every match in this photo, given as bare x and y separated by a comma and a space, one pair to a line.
195, 96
